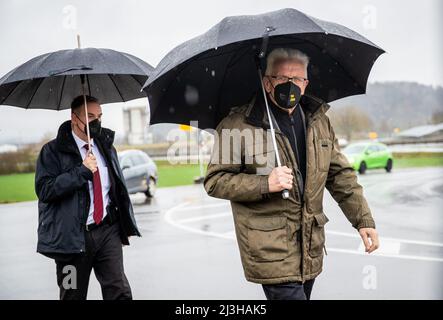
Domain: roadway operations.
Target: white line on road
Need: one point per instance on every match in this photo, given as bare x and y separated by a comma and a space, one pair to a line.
355, 235
388, 247
391, 252
204, 217
168, 219
386, 255
198, 207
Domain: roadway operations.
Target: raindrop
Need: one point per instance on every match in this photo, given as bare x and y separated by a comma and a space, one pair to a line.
206, 69
210, 107
213, 73
191, 95
171, 109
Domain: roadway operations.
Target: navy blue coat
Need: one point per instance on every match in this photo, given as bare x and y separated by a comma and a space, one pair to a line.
61, 184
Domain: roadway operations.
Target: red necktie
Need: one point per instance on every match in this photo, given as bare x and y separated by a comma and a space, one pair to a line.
98, 197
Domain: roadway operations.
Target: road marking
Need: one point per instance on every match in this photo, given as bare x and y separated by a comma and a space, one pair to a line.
204, 217
198, 207
356, 235
391, 250
387, 247
168, 219
386, 255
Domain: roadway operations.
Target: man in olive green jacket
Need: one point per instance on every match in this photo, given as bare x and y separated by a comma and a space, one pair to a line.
281, 241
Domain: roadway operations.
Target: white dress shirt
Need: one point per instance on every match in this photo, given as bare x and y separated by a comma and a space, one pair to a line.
104, 176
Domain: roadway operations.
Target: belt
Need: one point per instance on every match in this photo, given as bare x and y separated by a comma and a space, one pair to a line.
111, 218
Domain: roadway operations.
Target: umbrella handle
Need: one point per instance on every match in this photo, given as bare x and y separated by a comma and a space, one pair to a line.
285, 194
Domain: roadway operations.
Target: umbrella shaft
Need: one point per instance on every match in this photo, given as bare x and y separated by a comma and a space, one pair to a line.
271, 125
85, 103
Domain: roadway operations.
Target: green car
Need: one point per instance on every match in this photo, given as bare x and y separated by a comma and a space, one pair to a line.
369, 155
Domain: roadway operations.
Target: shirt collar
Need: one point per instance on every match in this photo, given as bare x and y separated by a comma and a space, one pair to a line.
80, 143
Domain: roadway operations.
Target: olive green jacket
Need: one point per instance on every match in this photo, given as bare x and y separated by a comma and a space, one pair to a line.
282, 240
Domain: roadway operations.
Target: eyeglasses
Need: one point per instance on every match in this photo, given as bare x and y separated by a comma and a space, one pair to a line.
286, 79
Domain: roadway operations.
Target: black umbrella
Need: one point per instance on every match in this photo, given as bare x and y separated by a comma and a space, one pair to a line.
53, 80
205, 76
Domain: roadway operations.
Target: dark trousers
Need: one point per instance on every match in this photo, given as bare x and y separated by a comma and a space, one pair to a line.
289, 291
104, 254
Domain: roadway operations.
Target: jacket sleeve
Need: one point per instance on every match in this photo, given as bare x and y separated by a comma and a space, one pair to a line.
343, 186
226, 180
50, 184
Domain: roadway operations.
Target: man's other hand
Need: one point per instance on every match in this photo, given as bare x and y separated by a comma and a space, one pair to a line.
370, 239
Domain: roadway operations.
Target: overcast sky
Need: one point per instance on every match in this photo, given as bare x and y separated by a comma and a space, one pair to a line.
410, 31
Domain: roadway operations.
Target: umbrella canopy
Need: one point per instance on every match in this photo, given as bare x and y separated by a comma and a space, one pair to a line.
53, 80
204, 77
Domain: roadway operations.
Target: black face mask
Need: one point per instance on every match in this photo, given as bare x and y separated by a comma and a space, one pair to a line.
287, 95
95, 127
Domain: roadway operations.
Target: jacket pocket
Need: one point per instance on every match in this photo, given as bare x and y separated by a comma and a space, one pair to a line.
317, 241
46, 223
268, 238
324, 149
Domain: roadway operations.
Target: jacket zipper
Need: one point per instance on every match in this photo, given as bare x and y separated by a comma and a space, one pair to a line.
300, 182
308, 130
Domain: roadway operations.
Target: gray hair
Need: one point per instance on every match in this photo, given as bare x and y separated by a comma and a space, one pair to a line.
285, 54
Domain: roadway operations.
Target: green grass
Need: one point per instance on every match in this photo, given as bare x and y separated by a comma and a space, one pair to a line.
20, 187
177, 175
407, 162
17, 187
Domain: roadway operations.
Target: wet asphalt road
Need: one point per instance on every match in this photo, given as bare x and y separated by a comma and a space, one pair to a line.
188, 248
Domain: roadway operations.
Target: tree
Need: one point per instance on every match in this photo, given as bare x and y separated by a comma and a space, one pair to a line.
349, 120
437, 117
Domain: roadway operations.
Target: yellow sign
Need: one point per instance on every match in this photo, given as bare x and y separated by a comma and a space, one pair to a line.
185, 127
373, 135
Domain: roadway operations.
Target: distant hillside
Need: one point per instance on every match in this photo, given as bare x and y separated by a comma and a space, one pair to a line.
389, 105
397, 104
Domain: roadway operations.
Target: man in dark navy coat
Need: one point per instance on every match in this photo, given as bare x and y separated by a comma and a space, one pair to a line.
85, 214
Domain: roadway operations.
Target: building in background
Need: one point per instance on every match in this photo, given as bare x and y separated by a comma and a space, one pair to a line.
135, 123
432, 132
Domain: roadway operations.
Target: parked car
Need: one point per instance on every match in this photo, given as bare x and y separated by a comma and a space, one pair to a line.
369, 155
139, 171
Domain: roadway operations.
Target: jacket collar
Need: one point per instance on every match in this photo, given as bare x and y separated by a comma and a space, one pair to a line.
256, 114
65, 140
